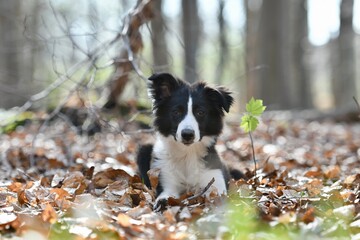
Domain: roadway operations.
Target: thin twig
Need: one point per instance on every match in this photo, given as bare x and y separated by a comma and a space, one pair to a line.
357, 103
253, 153
200, 193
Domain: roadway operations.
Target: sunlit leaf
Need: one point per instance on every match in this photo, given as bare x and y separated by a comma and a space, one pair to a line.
249, 123
255, 107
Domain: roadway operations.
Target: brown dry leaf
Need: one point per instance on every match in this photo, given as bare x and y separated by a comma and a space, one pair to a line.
29, 184
16, 187
154, 177
61, 198
123, 159
290, 164
314, 187
45, 182
174, 201
110, 175
352, 179
269, 167
49, 214
22, 199
124, 220
332, 172
126, 200
309, 216
54, 163
89, 173
136, 195
76, 181
118, 187
138, 211
169, 216
314, 173
59, 193
274, 210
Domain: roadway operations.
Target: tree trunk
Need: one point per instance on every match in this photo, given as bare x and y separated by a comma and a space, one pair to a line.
271, 54
302, 87
158, 37
344, 87
191, 35
223, 54
125, 63
253, 70
274, 53
10, 52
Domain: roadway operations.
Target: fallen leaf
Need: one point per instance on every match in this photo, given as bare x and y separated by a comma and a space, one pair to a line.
49, 214
332, 172
314, 173
75, 182
352, 179
16, 186
154, 177
169, 216
314, 187
123, 220
22, 197
110, 175
345, 212
309, 216
6, 218
59, 193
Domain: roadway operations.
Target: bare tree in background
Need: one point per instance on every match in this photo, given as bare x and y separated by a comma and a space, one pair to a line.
223, 54
191, 36
270, 50
126, 62
252, 8
276, 31
344, 87
301, 84
10, 54
158, 37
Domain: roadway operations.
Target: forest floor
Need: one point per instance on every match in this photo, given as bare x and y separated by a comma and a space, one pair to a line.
59, 184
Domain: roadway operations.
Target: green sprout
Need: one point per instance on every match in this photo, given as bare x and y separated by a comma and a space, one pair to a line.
249, 122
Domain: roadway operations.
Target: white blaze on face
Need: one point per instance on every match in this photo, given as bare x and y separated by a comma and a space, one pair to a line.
189, 122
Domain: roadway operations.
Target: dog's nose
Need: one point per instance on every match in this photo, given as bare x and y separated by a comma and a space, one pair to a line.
188, 135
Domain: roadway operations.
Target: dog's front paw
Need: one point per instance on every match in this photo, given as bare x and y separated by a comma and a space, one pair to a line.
160, 204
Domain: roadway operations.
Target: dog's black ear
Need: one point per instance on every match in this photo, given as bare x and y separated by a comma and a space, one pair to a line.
162, 85
222, 97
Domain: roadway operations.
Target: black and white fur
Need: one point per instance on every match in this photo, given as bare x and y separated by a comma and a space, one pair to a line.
188, 120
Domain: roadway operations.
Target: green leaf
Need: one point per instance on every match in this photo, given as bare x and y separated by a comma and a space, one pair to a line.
249, 123
255, 107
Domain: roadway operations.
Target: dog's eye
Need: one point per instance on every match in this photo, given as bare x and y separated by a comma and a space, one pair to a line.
200, 113
176, 113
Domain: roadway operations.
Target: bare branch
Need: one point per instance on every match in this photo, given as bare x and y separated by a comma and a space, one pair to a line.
185, 201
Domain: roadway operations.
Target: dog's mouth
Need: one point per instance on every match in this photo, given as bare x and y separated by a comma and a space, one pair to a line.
187, 143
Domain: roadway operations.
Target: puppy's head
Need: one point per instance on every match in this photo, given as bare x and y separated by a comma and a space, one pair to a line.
187, 112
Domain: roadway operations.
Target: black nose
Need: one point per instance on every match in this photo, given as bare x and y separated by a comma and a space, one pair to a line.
188, 135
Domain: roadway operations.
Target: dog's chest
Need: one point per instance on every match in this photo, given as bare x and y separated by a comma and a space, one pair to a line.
183, 166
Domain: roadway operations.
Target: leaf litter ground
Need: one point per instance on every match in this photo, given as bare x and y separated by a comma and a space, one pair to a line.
59, 184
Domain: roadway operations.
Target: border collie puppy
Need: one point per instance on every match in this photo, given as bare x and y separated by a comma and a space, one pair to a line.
188, 120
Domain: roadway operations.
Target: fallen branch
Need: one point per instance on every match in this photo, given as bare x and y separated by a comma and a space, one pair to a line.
186, 201
126, 62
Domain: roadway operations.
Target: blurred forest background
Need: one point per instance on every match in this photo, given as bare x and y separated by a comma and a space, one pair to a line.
293, 54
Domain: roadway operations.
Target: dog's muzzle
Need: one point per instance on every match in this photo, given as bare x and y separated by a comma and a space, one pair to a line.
187, 136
